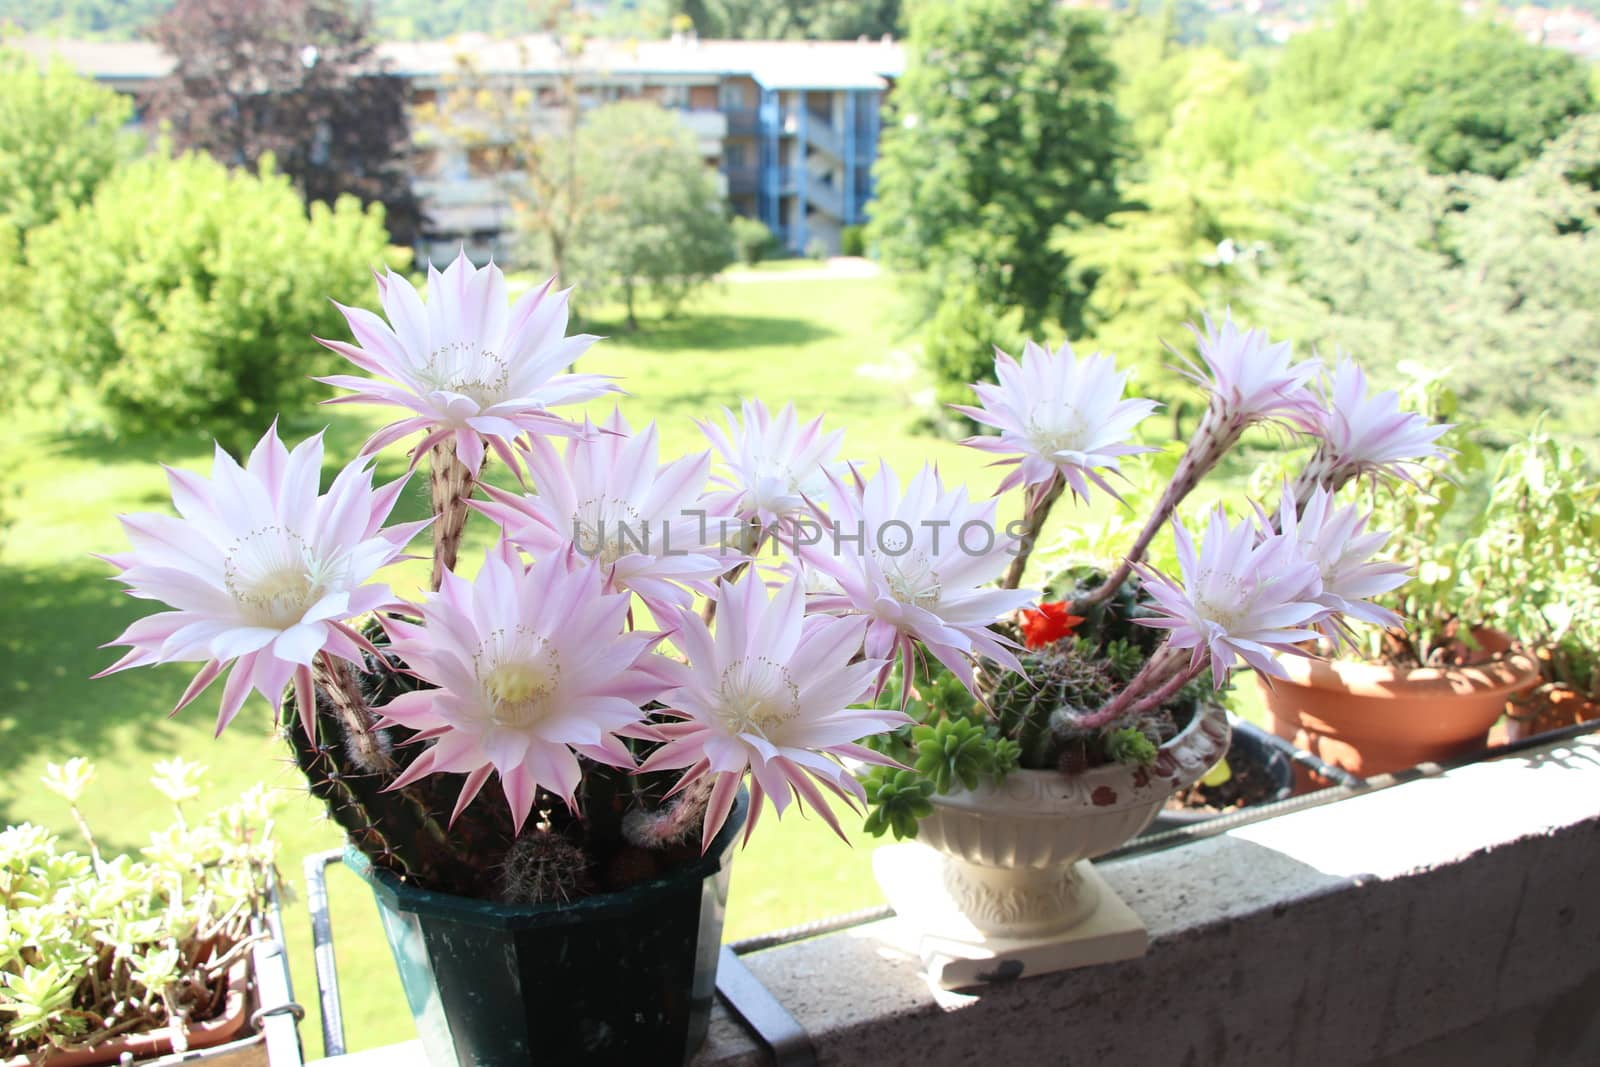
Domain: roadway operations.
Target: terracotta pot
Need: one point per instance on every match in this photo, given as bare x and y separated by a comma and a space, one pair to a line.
209, 1034
1371, 719
1012, 850
1547, 709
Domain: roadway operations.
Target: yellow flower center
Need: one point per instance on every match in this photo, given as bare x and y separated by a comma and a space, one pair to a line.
1070, 436
912, 578
273, 577
1230, 612
757, 696
521, 687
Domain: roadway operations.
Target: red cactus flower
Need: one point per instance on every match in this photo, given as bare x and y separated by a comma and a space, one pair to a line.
1047, 624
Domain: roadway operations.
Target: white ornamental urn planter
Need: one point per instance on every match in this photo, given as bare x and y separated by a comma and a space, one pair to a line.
1001, 872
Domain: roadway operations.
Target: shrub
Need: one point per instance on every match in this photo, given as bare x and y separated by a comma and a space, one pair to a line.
853, 241
960, 341
195, 292
816, 248
753, 240
60, 136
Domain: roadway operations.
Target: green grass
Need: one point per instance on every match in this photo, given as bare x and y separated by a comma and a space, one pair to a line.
826, 345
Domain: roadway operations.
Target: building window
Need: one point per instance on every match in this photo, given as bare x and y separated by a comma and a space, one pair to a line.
484, 162
732, 96
675, 96
733, 155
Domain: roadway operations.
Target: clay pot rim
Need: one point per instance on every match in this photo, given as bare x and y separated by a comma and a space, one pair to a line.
1508, 671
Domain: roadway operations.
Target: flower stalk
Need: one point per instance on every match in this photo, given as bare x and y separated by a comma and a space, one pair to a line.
450, 485
337, 680
1218, 432
1162, 675
1033, 526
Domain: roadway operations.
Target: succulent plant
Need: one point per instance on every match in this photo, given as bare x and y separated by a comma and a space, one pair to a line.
92, 947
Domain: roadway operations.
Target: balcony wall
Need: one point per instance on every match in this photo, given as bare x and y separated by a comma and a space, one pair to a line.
709, 127
1445, 922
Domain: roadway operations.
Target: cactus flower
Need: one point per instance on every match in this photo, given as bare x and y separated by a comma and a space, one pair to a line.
261, 571
606, 499
468, 369
917, 564
774, 465
771, 693
1058, 416
533, 668
1240, 598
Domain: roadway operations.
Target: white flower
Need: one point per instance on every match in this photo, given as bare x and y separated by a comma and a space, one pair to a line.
533, 667
1058, 417
1337, 542
649, 527
774, 464
1242, 598
468, 368
262, 571
1253, 380
770, 693
1364, 434
918, 566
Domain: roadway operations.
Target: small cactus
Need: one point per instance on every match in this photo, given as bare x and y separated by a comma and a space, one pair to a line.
543, 868
1038, 707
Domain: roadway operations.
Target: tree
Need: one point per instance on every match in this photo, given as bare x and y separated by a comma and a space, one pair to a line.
818, 20
1490, 280
60, 136
1003, 134
655, 220
524, 137
114, 19
186, 294
1467, 91
1487, 106
295, 79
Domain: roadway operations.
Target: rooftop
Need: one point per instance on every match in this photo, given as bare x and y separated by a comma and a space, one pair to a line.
863, 64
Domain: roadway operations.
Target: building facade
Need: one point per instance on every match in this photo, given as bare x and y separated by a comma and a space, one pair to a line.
790, 127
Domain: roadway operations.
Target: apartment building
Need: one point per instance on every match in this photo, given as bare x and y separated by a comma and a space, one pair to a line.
790, 127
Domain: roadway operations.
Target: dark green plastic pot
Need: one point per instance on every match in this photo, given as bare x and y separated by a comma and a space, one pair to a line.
625, 977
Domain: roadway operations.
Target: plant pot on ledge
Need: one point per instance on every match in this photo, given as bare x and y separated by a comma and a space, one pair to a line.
151, 1045
999, 884
616, 978
1372, 719
1257, 773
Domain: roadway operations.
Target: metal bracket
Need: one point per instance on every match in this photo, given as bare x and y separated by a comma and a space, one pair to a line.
316, 867
293, 1009
758, 1009
278, 1016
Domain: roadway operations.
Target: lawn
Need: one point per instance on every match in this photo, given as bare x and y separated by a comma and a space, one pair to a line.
829, 346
